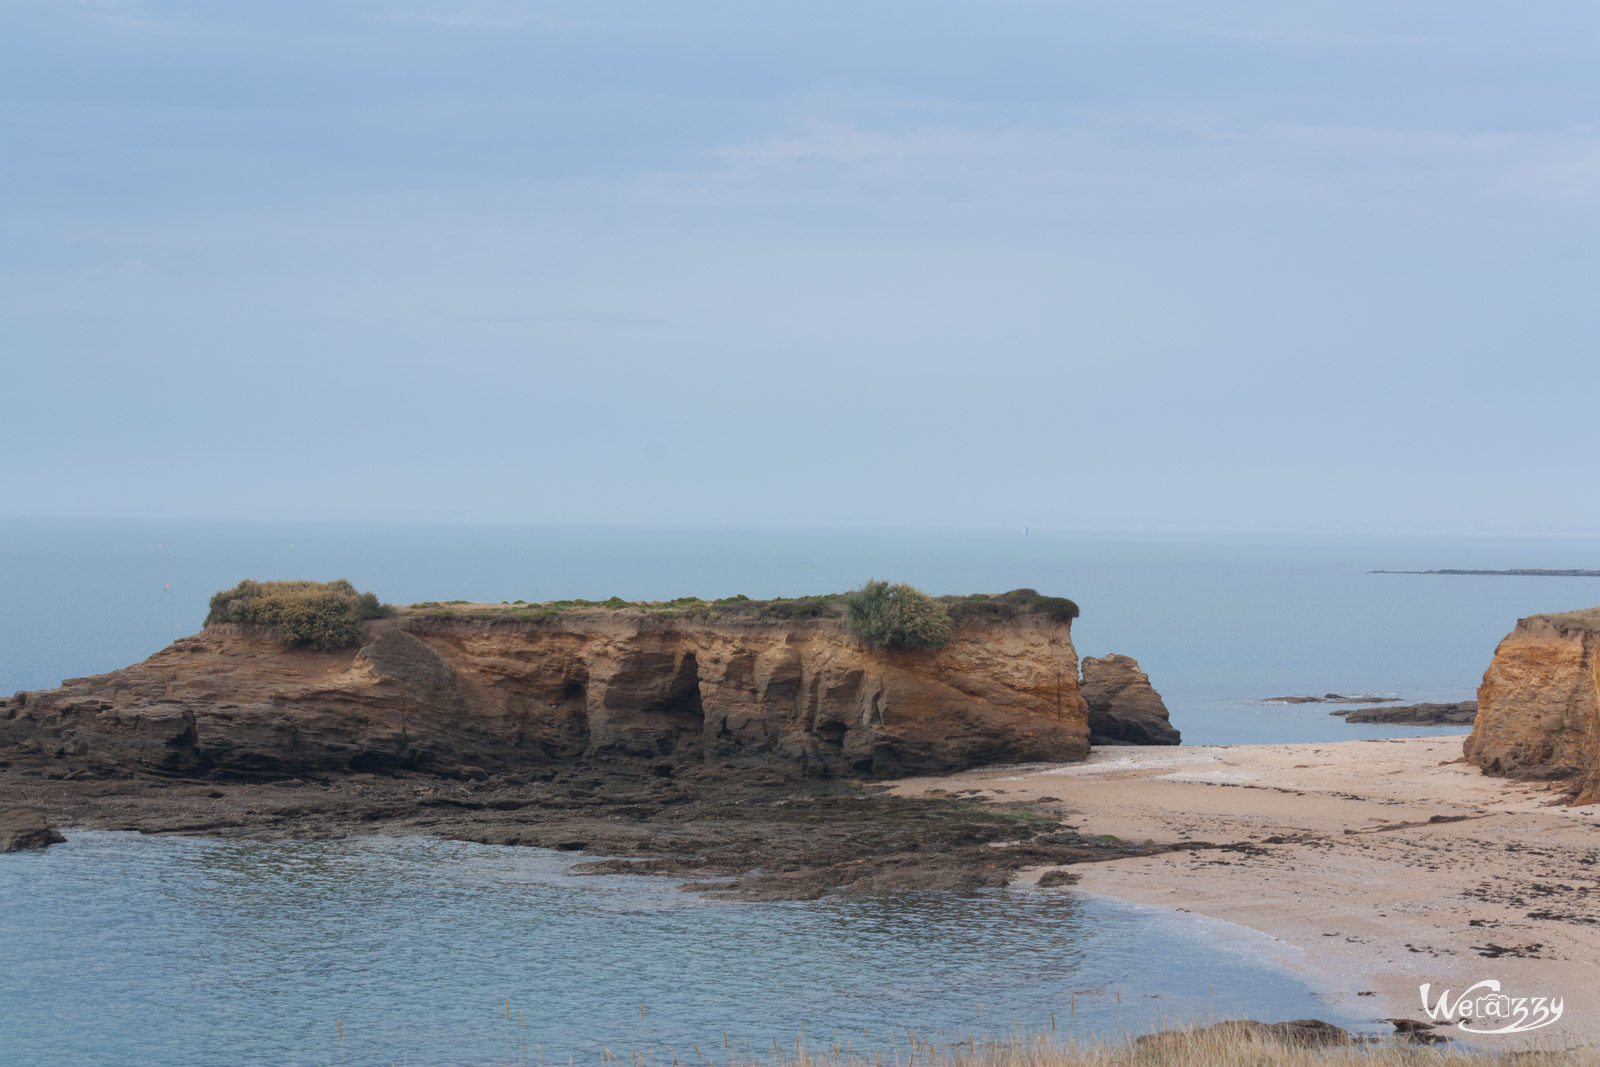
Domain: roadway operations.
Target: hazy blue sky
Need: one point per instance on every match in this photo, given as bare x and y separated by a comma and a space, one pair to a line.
1314, 265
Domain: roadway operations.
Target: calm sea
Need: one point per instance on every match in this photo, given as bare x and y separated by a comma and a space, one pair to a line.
1219, 623
120, 949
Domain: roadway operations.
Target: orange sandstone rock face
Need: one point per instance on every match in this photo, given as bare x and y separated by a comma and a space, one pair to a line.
475, 696
1539, 704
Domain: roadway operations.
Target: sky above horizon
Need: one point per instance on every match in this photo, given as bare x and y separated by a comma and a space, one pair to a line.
1242, 265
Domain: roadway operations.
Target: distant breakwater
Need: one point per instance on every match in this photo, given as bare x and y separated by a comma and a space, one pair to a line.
1520, 572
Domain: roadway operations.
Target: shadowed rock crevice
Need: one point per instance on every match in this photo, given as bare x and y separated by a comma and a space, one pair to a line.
681, 710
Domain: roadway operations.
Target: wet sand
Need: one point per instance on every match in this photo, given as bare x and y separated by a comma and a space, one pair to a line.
1385, 863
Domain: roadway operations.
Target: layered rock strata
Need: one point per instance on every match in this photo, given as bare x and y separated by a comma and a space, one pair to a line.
1124, 708
1539, 704
468, 697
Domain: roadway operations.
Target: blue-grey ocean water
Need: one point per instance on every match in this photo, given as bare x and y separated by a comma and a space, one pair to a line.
124, 950
120, 949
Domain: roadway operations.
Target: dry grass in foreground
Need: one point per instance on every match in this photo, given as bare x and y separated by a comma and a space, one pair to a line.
1223, 1046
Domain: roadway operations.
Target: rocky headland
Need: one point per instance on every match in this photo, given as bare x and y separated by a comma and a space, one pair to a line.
1539, 705
707, 741
474, 693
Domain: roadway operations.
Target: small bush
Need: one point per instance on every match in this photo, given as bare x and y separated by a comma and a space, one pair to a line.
319, 615
897, 616
367, 607
987, 607
980, 606
1058, 608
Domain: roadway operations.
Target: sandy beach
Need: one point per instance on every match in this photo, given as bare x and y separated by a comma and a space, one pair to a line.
1386, 864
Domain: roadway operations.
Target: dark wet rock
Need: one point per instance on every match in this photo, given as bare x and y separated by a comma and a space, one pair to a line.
21, 830
1416, 1031
1461, 713
1058, 877
1493, 951
751, 832
1331, 698
1124, 708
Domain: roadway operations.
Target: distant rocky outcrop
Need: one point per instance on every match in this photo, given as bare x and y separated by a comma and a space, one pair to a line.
1539, 704
1124, 708
21, 830
1461, 713
468, 696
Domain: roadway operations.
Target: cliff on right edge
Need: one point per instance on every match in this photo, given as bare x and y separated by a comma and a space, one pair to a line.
1539, 704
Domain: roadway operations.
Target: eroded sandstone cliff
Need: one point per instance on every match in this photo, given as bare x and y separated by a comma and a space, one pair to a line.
474, 696
1539, 704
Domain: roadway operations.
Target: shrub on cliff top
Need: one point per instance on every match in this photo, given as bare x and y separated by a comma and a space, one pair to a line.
896, 615
1058, 608
980, 607
985, 607
804, 607
319, 615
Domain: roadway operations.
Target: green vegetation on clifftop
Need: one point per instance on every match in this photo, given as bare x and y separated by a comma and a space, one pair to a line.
897, 616
319, 615
961, 610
